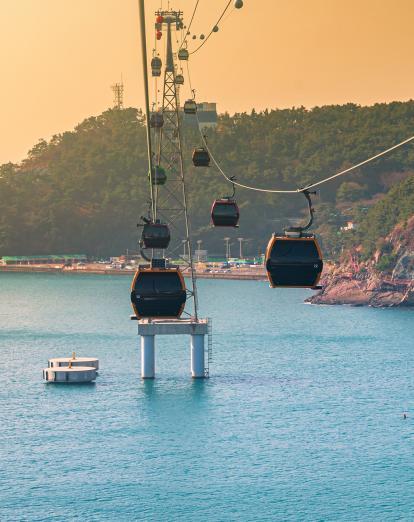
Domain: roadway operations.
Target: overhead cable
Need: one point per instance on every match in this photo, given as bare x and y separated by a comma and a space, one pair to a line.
212, 30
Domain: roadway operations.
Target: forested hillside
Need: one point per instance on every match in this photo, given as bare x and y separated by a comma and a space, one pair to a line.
84, 190
396, 208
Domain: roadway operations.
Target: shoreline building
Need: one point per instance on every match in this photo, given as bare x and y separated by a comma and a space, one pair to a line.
206, 116
55, 259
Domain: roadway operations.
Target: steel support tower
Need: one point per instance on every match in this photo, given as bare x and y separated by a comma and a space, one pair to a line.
171, 204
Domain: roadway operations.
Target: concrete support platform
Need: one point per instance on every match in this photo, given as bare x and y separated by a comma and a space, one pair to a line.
197, 330
147, 356
197, 356
172, 327
59, 362
78, 374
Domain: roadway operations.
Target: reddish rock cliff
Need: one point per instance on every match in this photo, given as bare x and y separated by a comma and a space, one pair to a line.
360, 283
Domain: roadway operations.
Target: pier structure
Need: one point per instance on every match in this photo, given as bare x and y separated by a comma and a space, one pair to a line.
200, 352
71, 369
69, 374
59, 362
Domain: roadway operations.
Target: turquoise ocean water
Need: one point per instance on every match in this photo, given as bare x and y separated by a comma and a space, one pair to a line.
300, 420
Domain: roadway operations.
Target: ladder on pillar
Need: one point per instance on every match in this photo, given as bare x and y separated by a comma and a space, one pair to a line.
208, 356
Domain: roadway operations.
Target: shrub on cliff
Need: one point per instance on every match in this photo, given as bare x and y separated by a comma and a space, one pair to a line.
396, 207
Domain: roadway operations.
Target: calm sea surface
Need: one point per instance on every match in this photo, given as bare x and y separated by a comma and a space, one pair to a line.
300, 420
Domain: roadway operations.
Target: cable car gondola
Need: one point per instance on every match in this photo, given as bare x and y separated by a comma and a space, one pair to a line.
179, 79
225, 212
156, 120
156, 65
294, 260
183, 54
159, 176
201, 157
155, 234
158, 292
190, 107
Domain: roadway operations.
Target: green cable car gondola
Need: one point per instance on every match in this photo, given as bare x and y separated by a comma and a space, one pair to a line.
159, 177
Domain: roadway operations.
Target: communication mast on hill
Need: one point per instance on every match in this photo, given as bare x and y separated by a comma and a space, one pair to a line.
118, 90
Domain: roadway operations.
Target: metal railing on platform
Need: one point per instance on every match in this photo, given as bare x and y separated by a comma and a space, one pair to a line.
209, 353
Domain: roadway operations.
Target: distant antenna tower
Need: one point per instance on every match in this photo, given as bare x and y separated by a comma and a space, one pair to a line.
118, 90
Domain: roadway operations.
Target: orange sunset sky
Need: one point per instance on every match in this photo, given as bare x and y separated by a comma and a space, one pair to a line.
59, 58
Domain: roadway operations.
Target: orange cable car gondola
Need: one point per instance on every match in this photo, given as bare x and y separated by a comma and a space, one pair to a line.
158, 292
294, 260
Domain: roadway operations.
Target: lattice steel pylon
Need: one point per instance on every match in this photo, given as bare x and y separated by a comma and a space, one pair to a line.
118, 90
171, 199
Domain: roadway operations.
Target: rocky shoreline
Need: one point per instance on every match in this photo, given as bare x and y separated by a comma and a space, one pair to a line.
367, 290
358, 282
385, 279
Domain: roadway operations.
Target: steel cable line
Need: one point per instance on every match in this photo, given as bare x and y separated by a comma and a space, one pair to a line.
312, 185
212, 31
189, 82
372, 158
147, 106
228, 16
231, 179
184, 40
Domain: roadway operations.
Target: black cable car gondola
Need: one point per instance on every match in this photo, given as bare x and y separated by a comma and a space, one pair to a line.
183, 54
201, 157
156, 65
158, 292
294, 260
156, 120
190, 107
225, 212
155, 235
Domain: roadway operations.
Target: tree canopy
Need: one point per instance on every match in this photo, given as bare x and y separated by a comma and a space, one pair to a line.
84, 190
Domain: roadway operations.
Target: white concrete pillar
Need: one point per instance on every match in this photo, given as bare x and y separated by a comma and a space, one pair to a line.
197, 356
147, 356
